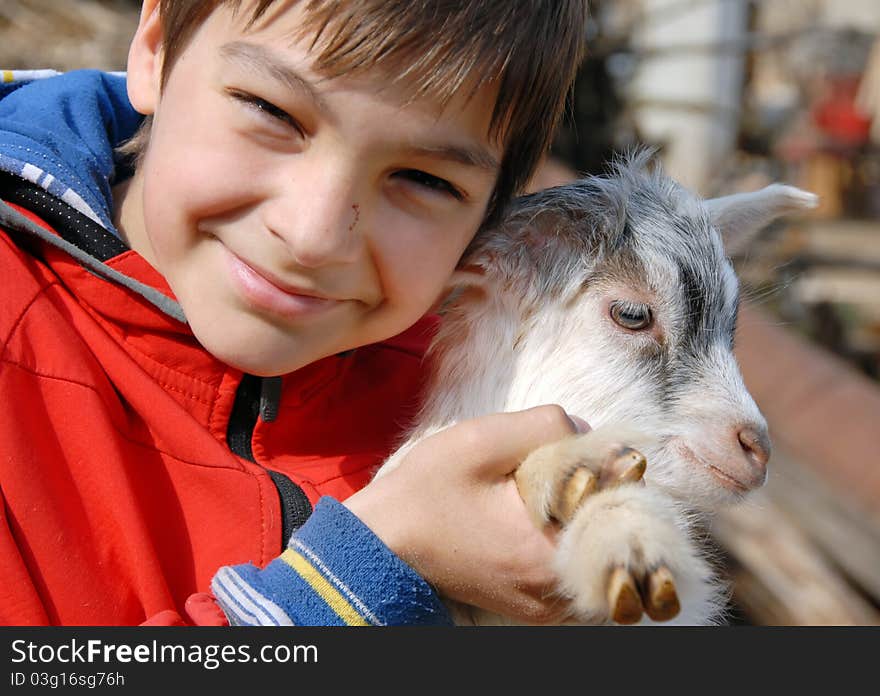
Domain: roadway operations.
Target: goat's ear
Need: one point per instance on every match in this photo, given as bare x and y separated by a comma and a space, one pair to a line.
741, 216
470, 275
468, 279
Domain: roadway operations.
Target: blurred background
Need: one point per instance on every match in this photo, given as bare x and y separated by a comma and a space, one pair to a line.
734, 94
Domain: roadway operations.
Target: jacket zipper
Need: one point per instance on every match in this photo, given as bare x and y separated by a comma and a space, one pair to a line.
258, 397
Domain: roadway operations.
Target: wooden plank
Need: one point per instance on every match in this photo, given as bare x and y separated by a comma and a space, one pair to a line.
843, 530
840, 284
823, 242
839, 240
781, 578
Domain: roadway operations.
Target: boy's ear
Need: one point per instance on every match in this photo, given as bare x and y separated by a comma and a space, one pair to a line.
738, 218
145, 60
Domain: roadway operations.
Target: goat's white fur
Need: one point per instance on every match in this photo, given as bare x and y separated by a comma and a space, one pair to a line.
531, 327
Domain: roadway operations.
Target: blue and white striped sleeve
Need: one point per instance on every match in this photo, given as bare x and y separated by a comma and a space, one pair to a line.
335, 572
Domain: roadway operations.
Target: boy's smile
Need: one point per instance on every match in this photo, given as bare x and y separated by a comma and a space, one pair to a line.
294, 216
262, 290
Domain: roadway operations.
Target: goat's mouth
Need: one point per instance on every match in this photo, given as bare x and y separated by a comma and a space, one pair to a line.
727, 481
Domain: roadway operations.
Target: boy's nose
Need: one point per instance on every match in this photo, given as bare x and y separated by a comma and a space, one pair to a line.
320, 227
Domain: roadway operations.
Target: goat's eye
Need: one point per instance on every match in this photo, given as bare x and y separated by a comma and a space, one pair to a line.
631, 315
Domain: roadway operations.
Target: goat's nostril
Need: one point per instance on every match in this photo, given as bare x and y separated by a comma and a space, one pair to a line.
756, 446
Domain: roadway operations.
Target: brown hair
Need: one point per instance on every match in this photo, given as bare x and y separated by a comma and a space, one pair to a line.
528, 49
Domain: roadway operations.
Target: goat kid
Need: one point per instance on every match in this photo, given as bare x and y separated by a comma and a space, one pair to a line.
614, 298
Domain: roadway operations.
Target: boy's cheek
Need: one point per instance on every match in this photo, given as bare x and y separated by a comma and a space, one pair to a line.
194, 188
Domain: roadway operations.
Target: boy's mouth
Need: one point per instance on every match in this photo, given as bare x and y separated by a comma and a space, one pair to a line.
264, 291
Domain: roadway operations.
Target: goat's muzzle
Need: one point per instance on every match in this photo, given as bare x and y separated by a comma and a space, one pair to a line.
746, 464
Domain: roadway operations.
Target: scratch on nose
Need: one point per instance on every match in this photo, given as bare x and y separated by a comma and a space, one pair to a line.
357, 216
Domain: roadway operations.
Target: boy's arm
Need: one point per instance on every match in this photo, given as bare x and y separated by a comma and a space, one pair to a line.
451, 512
335, 571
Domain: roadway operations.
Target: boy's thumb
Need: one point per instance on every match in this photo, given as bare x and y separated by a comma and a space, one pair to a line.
501, 441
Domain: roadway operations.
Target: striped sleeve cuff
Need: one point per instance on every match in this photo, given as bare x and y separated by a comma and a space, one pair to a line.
335, 572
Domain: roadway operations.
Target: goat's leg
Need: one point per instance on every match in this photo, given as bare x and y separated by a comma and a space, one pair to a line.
629, 551
556, 480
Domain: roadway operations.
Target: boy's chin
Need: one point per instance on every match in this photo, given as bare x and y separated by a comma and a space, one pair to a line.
263, 356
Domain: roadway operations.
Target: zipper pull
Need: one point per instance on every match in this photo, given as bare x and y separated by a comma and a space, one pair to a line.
270, 397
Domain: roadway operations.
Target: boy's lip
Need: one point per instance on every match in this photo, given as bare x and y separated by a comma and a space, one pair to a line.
266, 291
280, 284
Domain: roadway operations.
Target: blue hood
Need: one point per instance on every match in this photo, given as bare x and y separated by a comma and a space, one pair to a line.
60, 130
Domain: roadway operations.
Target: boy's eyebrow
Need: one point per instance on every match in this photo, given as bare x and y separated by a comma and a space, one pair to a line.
264, 60
471, 156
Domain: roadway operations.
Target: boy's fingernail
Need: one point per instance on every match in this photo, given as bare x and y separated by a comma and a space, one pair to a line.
580, 425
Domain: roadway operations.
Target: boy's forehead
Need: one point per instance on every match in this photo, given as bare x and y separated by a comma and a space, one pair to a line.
288, 35
272, 49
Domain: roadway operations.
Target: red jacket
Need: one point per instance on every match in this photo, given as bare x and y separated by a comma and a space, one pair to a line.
121, 497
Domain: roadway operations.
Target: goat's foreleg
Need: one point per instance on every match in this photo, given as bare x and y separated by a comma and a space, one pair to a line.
624, 550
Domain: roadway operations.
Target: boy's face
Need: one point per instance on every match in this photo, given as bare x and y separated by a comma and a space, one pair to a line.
295, 217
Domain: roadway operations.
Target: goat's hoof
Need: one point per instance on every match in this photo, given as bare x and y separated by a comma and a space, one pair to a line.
623, 465
627, 465
623, 597
655, 595
660, 597
575, 489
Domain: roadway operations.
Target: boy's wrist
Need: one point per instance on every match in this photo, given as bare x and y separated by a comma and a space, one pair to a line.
335, 571
369, 565
371, 511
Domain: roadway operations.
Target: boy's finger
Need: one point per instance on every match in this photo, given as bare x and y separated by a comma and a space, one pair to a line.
496, 444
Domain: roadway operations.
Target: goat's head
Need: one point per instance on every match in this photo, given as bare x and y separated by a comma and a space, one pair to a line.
628, 303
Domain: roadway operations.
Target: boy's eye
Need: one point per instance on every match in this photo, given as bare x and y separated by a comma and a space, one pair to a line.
430, 181
265, 108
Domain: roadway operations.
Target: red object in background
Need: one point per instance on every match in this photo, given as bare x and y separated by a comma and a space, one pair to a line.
836, 114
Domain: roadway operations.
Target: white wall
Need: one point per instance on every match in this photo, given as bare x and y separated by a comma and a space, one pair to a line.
690, 99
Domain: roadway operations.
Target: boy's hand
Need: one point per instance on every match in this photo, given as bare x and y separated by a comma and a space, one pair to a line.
451, 510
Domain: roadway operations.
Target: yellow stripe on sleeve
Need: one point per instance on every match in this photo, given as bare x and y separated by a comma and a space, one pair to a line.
8, 76
325, 590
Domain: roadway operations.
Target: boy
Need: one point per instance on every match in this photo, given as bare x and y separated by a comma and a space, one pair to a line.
308, 177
